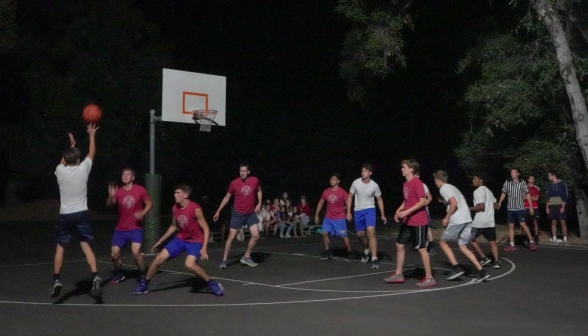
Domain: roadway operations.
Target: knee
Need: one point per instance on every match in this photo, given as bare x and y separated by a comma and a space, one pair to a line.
115, 254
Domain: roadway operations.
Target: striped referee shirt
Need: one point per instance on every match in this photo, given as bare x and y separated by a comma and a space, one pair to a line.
515, 192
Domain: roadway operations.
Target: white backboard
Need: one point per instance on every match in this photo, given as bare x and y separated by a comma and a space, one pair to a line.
183, 92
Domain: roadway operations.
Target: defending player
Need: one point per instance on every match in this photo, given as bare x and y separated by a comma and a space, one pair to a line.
133, 204
483, 223
192, 238
72, 177
334, 223
245, 188
365, 190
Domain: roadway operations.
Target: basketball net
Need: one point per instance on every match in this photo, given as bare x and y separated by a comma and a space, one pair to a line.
205, 118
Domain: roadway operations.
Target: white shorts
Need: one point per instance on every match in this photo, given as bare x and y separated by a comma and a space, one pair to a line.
462, 233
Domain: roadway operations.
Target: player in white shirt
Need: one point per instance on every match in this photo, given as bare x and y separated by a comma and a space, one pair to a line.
458, 223
72, 177
364, 190
483, 223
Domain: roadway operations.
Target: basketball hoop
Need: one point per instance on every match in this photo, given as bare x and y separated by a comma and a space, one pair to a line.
205, 118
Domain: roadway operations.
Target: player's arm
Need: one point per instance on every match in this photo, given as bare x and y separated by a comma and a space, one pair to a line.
381, 206
148, 204
170, 231
72, 143
528, 196
502, 196
418, 205
349, 203
564, 198
451, 211
400, 208
221, 206
199, 214
91, 129
112, 188
319, 207
428, 198
259, 200
480, 207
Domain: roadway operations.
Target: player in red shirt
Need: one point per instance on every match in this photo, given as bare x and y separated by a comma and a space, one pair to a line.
534, 192
334, 223
245, 188
193, 232
133, 204
413, 230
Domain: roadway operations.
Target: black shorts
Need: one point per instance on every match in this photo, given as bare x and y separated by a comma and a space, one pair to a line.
77, 223
535, 214
488, 233
555, 214
413, 235
238, 220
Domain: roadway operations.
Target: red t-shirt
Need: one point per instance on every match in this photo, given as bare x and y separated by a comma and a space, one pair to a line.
304, 209
533, 191
190, 230
129, 202
335, 200
245, 193
413, 191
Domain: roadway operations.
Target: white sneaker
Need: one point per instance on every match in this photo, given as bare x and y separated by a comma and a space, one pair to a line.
553, 241
281, 235
288, 235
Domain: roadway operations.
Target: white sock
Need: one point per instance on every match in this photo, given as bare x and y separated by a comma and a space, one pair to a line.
511, 243
554, 238
565, 239
374, 258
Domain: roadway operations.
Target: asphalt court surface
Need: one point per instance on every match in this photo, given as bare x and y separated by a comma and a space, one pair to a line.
290, 292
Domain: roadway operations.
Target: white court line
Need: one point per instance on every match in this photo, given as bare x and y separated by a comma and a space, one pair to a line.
45, 263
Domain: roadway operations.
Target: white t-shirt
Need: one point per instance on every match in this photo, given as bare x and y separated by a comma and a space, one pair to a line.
73, 186
484, 219
364, 194
462, 214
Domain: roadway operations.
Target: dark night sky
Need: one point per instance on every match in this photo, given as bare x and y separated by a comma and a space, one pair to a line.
287, 111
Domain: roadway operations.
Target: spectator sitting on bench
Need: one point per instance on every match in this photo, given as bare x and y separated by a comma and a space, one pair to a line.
284, 224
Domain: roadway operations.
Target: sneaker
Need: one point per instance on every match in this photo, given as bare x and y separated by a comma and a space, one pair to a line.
395, 278
497, 264
215, 288
248, 261
222, 265
427, 282
350, 256
281, 235
565, 242
375, 264
96, 287
56, 289
327, 255
533, 247
118, 277
454, 273
481, 276
365, 258
141, 278
485, 261
141, 289
287, 235
553, 241
510, 248
431, 250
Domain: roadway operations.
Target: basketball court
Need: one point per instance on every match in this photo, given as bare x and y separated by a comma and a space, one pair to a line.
290, 292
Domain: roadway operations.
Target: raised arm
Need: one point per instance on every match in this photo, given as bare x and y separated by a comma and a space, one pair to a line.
72, 143
91, 129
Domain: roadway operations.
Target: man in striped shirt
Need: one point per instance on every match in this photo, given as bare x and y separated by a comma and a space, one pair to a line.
516, 190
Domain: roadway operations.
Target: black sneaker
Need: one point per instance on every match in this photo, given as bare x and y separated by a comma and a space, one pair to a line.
56, 289
96, 287
431, 250
327, 255
485, 261
365, 258
481, 276
375, 264
497, 264
350, 256
454, 273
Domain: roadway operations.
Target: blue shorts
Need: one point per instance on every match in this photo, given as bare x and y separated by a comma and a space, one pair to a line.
365, 218
77, 223
176, 246
239, 219
513, 215
120, 238
335, 227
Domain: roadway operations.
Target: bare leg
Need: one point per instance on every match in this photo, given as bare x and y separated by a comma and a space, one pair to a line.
116, 259
426, 262
466, 251
371, 231
159, 259
494, 249
527, 231
564, 228
136, 250
228, 243
90, 257
191, 265
400, 255
511, 233
254, 232
448, 252
326, 240
347, 243
477, 248
58, 259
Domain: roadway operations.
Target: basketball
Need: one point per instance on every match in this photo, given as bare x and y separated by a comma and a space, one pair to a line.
92, 113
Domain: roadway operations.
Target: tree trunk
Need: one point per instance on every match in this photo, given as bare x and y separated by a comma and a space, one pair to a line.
548, 15
582, 210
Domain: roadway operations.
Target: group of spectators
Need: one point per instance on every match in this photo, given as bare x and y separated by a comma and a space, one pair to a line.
283, 216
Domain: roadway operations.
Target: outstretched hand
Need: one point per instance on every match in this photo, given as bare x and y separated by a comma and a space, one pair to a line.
72, 141
92, 128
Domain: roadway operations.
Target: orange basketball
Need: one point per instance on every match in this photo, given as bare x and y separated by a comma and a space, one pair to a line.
92, 113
